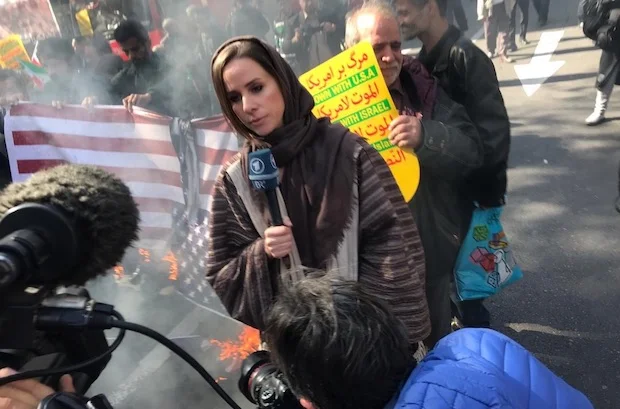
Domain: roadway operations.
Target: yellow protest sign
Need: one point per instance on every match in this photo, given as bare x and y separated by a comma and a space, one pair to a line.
84, 24
11, 51
350, 90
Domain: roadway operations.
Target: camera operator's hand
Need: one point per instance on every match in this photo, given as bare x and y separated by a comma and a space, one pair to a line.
28, 393
278, 240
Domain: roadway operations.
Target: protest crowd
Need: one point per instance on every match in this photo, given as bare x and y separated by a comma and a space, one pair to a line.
354, 269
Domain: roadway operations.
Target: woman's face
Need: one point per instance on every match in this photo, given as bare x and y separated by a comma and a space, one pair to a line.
254, 95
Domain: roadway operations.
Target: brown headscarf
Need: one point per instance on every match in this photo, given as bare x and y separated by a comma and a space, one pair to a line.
317, 163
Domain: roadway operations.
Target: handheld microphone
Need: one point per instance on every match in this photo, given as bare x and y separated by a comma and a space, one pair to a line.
263, 174
64, 226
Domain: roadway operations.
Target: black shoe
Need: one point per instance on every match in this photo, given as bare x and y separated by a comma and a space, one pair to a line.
523, 41
618, 204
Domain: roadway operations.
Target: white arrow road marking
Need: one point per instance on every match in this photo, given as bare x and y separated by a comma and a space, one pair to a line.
540, 68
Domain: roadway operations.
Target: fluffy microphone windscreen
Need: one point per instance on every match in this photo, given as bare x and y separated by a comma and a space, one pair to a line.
100, 205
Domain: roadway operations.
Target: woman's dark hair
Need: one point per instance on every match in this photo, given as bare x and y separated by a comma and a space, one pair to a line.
337, 344
131, 29
233, 50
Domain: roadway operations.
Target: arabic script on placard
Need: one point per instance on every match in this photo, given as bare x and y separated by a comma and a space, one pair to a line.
349, 89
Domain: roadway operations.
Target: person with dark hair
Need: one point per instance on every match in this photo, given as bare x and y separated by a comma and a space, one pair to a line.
341, 347
144, 81
347, 214
468, 76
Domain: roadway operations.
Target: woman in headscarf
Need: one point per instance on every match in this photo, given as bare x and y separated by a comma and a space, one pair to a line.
343, 211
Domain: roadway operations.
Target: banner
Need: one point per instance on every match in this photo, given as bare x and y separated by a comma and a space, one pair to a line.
12, 52
349, 89
83, 21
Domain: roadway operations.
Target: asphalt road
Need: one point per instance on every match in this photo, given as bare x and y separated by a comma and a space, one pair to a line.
560, 219
563, 181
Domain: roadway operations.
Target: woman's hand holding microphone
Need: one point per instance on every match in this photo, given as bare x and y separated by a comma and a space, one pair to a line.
279, 239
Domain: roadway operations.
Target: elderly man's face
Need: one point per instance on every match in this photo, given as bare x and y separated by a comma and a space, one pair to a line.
384, 35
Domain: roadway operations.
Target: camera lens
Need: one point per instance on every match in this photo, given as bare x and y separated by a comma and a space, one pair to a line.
263, 384
249, 370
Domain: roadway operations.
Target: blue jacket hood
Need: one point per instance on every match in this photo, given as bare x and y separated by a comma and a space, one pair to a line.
483, 369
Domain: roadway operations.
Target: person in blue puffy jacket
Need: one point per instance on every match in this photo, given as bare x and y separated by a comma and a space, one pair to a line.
339, 347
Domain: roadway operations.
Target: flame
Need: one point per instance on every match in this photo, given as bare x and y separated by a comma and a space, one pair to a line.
247, 342
174, 265
119, 272
146, 255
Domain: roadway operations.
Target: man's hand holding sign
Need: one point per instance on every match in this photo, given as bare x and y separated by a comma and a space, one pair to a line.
350, 90
406, 132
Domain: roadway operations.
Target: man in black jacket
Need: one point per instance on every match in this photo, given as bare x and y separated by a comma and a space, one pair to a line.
145, 81
469, 77
446, 143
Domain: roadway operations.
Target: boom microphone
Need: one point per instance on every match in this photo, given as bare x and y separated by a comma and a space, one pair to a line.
64, 226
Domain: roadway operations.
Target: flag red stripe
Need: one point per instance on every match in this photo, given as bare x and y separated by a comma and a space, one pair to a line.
78, 113
34, 165
131, 145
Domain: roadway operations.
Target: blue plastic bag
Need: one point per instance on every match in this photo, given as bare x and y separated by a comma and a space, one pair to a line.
486, 263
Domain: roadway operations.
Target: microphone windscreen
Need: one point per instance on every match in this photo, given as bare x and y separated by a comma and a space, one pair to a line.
262, 170
99, 204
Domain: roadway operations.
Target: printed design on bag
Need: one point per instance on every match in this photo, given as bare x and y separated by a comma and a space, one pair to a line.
481, 232
498, 242
482, 257
503, 271
493, 218
497, 263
